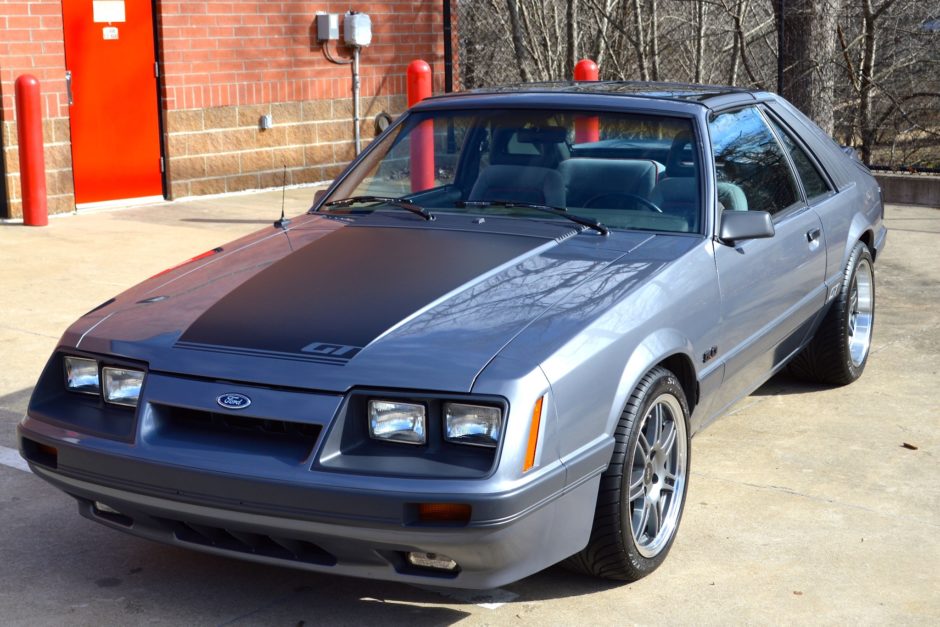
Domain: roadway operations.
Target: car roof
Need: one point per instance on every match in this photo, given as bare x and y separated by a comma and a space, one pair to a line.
558, 92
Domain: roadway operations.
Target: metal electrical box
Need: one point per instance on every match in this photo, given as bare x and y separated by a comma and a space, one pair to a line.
357, 29
327, 26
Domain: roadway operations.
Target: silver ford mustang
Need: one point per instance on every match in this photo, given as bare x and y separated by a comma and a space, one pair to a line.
485, 348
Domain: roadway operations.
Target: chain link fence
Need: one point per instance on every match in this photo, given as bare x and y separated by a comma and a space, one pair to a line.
892, 110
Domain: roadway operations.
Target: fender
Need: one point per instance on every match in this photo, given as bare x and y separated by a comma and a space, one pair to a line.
846, 232
858, 228
652, 350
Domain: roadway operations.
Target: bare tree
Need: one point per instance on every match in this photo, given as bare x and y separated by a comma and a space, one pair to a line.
807, 52
518, 42
866, 70
893, 77
572, 33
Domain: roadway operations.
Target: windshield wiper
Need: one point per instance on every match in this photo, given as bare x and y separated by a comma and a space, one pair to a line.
558, 211
401, 203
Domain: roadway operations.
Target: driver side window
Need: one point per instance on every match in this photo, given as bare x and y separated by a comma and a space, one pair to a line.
751, 170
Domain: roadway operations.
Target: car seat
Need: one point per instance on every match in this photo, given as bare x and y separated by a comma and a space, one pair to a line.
531, 184
587, 179
677, 193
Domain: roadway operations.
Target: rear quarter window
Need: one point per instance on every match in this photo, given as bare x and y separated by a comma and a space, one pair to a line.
814, 184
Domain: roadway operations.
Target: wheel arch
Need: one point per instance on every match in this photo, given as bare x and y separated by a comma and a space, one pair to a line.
868, 238
681, 365
860, 230
667, 348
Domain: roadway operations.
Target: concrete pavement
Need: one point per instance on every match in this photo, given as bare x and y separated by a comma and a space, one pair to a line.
804, 506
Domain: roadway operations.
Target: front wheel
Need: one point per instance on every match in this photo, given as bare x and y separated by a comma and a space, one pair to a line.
642, 492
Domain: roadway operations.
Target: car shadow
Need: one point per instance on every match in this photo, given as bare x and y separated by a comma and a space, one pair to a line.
783, 384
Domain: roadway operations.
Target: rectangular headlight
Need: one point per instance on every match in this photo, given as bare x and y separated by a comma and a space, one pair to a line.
477, 425
81, 375
122, 386
397, 422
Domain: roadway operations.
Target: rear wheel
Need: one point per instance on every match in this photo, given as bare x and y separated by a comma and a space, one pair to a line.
838, 352
642, 492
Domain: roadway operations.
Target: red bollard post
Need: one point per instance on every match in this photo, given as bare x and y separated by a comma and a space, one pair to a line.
422, 137
586, 129
32, 158
586, 70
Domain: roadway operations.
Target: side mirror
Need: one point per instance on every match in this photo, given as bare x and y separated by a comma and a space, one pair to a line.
318, 196
741, 225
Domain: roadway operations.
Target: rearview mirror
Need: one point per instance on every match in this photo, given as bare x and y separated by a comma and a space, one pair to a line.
741, 225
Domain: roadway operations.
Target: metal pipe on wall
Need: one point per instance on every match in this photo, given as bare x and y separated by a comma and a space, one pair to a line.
355, 73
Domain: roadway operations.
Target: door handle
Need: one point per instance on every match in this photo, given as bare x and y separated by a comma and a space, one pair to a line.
68, 86
812, 235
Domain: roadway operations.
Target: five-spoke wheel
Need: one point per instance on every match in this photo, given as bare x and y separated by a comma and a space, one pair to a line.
642, 492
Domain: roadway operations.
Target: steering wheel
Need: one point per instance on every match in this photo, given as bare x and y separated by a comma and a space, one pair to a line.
619, 203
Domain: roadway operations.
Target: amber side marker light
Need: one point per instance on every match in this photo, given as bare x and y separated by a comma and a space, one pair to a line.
533, 436
444, 512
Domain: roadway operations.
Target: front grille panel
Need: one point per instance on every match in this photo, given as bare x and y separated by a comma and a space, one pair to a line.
216, 431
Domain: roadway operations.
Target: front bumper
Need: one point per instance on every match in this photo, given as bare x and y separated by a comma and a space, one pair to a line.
357, 526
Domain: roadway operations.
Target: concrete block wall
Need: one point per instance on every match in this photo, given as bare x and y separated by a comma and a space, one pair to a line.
910, 189
223, 149
227, 64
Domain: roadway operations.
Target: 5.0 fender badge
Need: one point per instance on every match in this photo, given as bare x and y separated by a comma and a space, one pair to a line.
233, 401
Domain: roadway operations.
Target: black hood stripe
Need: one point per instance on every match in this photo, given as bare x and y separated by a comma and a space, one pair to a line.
348, 287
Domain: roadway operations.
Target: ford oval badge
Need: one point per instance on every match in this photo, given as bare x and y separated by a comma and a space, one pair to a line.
233, 401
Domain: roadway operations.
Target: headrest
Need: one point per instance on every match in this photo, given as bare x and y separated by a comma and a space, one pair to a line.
681, 159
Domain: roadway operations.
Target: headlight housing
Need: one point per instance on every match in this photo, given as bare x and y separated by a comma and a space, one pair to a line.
81, 375
403, 433
114, 384
396, 421
122, 385
476, 425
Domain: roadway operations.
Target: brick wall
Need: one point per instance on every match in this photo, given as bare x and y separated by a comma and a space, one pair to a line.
31, 43
225, 64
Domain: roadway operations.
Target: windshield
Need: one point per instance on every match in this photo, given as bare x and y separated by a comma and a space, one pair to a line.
624, 170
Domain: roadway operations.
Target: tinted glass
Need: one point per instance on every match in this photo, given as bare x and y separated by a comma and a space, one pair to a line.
626, 170
751, 169
813, 181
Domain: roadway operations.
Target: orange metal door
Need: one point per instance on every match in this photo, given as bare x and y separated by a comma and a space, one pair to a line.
113, 111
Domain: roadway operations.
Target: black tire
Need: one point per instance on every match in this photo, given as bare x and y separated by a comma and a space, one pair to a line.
614, 551
839, 350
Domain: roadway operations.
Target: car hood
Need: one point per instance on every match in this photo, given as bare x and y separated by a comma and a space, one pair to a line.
336, 302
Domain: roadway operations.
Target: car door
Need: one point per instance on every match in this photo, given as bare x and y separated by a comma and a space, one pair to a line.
770, 288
